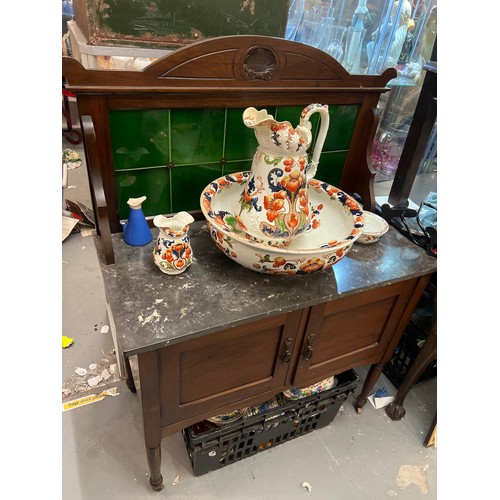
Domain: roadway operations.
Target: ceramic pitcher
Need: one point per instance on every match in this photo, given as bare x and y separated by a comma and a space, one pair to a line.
274, 206
173, 253
136, 231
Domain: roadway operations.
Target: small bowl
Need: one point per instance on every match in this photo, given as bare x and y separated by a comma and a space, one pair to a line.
375, 227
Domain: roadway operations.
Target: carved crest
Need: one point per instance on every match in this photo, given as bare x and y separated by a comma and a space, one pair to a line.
259, 64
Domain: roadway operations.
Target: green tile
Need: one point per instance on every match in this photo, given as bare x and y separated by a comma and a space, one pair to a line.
139, 138
197, 135
292, 115
232, 167
330, 167
189, 181
342, 120
152, 183
240, 140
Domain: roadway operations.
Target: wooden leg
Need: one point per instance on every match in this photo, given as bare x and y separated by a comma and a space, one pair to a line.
427, 355
150, 398
154, 464
128, 372
371, 378
395, 410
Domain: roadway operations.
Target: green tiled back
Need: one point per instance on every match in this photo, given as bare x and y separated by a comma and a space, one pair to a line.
169, 156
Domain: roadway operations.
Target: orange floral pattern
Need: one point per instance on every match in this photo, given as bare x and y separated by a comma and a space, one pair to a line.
173, 254
279, 260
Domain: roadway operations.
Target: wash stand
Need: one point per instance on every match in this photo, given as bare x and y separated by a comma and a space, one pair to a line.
219, 336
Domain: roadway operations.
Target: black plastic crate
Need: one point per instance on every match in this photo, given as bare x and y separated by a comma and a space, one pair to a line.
211, 447
404, 356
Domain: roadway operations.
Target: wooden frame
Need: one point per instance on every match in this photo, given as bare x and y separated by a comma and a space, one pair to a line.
232, 71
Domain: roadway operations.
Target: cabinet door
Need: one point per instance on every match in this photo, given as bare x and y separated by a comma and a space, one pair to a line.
352, 331
224, 368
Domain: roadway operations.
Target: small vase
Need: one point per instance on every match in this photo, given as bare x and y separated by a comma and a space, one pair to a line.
335, 45
136, 231
173, 253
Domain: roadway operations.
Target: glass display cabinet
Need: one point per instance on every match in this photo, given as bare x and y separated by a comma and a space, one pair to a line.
368, 36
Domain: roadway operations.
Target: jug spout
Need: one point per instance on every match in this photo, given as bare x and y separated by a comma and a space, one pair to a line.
136, 231
136, 203
177, 223
252, 117
277, 138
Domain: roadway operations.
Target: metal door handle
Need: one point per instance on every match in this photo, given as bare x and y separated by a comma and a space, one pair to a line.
308, 352
286, 355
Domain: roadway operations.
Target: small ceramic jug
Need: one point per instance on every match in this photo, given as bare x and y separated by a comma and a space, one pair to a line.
173, 253
136, 231
274, 206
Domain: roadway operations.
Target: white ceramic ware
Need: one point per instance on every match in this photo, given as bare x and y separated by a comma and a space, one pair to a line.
324, 385
264, 407
173, 253
336, 223
274, 202
375, 228
228, 417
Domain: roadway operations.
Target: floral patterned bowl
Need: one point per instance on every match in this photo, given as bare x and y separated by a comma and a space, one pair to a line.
337, 221
227, 418
375, 228
295, 393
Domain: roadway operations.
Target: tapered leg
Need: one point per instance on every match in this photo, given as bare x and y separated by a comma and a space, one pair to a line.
154, 464
150, 398
371, 378
427, 355
130, 379
395, 410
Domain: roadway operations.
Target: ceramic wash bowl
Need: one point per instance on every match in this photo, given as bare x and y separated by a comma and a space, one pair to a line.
337, 222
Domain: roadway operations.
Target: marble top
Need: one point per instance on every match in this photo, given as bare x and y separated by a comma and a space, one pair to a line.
151, 309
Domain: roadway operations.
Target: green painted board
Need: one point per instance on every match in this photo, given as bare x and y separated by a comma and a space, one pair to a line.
164, 23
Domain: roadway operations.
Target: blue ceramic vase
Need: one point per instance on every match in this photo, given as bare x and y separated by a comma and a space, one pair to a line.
136, 231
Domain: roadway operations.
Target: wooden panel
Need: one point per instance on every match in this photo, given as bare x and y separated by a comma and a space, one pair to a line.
295, 64
352, 331
368, 322
215, 60
214, 371
225, 365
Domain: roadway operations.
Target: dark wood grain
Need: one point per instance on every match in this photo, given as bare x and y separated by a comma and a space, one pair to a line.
96, 187
208, 373
149, 391
352, 331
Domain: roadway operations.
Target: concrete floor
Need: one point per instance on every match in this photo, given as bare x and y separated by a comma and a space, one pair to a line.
356, 457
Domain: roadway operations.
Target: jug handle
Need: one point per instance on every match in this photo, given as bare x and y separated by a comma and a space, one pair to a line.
322, 109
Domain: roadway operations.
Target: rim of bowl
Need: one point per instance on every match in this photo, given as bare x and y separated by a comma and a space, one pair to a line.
385, 225
351, 238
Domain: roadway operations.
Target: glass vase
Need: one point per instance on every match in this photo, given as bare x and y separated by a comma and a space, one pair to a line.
335, 46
